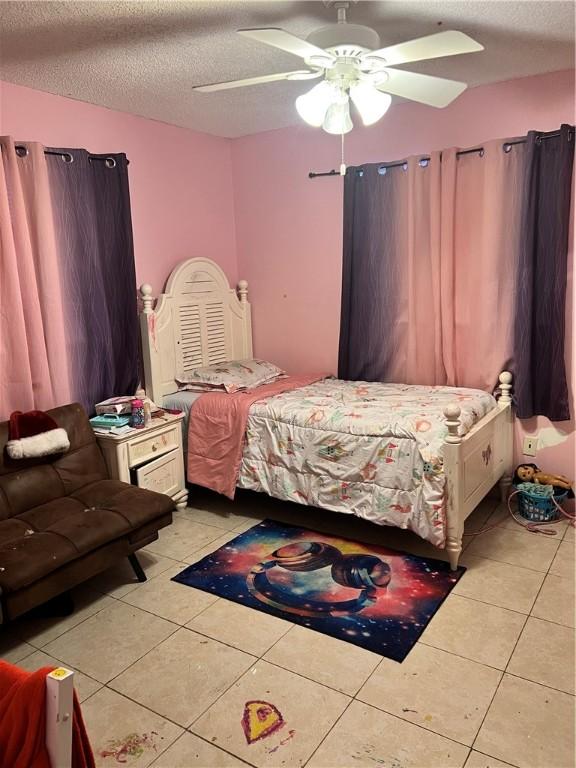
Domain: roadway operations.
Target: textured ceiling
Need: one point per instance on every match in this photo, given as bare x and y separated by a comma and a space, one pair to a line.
144, 57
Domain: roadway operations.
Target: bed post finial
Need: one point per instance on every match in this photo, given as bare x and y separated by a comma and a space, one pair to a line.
147, 298
505, 379
452, 414
243, 291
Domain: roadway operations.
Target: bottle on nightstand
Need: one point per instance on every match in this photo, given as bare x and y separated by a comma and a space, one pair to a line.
137, 420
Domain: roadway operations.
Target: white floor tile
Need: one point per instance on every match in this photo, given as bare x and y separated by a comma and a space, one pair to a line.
107, 643
169, 599
501, 584
466, 627
123, 733
366, 737
324, 659
529, 550
183, 676
242, 627
545, 654
303, 712
434, 689
85, 686
529, 725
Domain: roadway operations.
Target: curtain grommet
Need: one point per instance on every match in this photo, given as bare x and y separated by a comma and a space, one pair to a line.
21, 150
67, 157
382, 170
507, 147
110, 162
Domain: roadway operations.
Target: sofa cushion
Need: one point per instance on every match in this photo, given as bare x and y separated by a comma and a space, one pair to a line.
136, 505
28, 483
39, 540
26, 558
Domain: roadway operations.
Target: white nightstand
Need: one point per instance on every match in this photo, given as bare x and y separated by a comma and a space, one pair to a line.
151, 457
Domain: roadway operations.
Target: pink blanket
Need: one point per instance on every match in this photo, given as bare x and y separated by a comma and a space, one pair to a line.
217, 428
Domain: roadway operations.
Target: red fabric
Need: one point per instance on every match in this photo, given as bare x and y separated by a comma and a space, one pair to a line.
29, 424
82, 755
23, 721
216, 430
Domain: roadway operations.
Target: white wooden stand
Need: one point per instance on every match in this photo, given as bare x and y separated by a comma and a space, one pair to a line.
59, 716
155, 455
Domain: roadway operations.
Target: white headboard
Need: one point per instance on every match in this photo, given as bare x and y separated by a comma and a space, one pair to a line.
198, 320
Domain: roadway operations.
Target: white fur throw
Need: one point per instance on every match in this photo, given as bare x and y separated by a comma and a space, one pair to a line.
44, 444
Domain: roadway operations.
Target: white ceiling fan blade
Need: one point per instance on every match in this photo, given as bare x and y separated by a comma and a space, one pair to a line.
434, 91
299, 74
449, 43
278, 38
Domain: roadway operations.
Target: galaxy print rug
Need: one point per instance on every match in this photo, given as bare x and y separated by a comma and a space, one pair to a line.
374, 597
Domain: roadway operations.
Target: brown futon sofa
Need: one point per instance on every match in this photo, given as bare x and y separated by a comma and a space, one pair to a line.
62, 520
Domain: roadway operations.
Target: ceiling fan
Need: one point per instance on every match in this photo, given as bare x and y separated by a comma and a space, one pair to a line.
353, 66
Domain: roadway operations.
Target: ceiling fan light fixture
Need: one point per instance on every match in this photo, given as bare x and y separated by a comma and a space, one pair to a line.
304, 74
370, 63
370, 103
321, 62
312, 106
376, 78
338, 119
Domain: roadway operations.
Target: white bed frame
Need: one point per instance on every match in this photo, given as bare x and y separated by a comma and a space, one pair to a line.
200, 320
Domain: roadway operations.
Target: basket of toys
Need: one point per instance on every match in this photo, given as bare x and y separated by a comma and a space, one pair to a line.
540, 495
537, 502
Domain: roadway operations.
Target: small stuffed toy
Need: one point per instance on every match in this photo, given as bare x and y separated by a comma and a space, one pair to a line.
34, 434
530, 473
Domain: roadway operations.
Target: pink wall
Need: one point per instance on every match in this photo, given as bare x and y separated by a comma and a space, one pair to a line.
289, 228
249, 202
180, 181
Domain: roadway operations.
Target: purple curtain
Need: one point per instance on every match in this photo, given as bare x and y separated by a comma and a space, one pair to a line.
455, 267
91, 205
369, 272
540, 376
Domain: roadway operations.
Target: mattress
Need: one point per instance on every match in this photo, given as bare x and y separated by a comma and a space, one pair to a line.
370, 449
182, 401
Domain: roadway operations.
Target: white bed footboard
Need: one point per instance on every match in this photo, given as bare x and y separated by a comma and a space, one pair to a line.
473, 464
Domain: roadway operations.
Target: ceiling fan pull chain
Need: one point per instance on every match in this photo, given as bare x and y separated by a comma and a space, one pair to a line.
342, 163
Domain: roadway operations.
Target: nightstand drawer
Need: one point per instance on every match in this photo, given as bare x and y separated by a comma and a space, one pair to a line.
164, 475
150, 446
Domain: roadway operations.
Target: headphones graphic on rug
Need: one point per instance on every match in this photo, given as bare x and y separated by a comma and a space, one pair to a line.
367, 573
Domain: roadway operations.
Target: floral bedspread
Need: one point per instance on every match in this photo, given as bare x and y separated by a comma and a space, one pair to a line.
370, 449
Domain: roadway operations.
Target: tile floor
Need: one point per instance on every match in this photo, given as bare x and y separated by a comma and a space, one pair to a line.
164, 671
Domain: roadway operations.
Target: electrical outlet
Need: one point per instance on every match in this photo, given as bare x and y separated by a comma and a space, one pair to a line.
530, 445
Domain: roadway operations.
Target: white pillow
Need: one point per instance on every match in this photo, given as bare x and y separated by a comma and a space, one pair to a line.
231, 376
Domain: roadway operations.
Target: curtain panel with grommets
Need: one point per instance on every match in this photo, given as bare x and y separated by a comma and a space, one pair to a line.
68, 314
455, 268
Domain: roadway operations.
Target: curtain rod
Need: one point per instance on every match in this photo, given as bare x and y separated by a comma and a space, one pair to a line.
507, 146
22, 151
